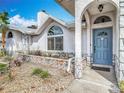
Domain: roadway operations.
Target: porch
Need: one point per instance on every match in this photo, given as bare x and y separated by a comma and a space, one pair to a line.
96, 33
94, 81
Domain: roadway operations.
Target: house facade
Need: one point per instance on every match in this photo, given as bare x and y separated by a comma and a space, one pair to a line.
96, 34
104, 19
51, 35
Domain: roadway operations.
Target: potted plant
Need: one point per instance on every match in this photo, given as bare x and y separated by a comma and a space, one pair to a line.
121, 85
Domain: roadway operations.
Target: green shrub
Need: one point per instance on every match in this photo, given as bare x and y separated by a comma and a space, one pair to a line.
41, 73
44, 74
2, 66
36, 71
2, 53
121, 85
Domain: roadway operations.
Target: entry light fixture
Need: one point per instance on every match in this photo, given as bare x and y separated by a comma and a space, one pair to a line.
100, 8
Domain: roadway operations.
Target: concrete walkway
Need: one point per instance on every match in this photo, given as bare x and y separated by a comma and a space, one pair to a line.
94, 81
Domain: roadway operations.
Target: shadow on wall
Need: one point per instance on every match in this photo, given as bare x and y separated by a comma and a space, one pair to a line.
36, 38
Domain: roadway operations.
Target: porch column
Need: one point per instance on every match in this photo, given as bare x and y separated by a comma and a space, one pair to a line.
78, 53
88, 36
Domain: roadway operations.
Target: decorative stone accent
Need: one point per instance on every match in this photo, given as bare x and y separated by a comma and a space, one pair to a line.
121, 54
56, 55
78, 68
63, 55
52, 62
71, 55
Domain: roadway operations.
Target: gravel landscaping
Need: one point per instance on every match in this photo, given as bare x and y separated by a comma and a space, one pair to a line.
24, 82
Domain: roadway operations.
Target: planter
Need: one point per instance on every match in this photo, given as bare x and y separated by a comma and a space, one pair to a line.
122, 91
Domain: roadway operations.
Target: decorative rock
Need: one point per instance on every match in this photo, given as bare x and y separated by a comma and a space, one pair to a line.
47, 54
66, 55
71, 55
62, 55
56, 55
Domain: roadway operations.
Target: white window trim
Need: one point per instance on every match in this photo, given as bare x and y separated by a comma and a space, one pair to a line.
54, 43
54, 36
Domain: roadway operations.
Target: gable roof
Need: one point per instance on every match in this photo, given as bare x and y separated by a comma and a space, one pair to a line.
46, 21
23, 30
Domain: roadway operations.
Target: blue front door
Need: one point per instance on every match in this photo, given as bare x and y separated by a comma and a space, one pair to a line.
102, 46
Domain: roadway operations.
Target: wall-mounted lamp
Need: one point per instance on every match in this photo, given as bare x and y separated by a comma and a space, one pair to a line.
100, 8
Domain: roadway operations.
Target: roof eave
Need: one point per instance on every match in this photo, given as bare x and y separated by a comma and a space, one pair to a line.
71, 11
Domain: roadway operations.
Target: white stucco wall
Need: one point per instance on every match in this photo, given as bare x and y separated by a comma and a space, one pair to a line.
15, 43
84, 41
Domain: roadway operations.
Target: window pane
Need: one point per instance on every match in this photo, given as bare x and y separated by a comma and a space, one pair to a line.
59, 43
102, 19
50, 43
55, 30
51, 31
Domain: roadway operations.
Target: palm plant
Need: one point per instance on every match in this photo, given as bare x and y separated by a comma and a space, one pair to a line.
3, 25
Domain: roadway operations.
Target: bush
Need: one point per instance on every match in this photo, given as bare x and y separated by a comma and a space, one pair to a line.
121, 85
2, 65
37, 71
2, 53
3, 68
41, 73
44, 74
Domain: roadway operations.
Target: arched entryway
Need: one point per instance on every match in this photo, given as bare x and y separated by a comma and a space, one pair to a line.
102, 42
10, 43
101, 29
10, 35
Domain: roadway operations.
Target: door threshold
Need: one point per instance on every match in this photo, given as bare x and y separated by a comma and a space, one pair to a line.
106, 68
100, 65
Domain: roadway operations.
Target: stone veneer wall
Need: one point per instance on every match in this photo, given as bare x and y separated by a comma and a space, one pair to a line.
121, 49
48, 61
54, 54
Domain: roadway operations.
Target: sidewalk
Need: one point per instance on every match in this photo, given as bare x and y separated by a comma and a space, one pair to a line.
94, 82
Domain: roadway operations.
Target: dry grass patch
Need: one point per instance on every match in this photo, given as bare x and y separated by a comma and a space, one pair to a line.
36, 78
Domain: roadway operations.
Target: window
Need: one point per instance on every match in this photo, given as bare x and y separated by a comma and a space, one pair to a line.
55, 30
102, 19
102, 34
10, 35
55, 38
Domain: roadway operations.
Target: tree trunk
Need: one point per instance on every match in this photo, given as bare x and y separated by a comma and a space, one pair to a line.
3, 39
